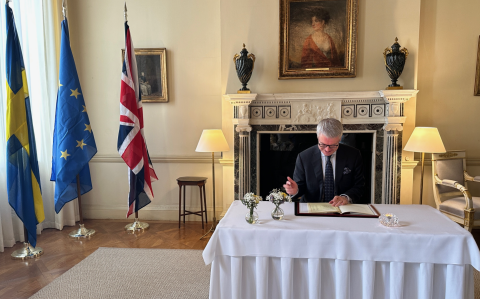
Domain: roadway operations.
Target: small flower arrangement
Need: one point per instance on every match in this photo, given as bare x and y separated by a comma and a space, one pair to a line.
278, 197
251, 201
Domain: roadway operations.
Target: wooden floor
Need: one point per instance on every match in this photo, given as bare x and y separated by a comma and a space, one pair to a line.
21, 279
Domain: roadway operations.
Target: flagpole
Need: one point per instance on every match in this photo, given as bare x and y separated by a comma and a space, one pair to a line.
136, 225
82, 232
27, 252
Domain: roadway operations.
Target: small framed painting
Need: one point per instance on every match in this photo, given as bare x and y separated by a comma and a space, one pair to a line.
152, 74
318, 39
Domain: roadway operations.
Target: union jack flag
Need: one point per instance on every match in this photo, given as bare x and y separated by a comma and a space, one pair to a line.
132, 145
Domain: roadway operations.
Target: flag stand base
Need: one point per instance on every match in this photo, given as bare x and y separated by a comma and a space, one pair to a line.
137, 225
27, 252
82, 232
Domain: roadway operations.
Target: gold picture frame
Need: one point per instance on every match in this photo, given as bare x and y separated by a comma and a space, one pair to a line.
476, 91
308, 25
152, 74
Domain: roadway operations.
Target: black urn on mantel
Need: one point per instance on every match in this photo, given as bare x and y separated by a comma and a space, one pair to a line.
394, 62
244, 65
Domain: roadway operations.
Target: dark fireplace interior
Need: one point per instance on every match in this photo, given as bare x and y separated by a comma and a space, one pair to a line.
278, 153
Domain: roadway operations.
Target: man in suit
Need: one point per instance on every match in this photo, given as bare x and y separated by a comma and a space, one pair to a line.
328, 172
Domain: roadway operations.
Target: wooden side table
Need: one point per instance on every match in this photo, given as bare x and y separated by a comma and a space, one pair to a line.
192, 181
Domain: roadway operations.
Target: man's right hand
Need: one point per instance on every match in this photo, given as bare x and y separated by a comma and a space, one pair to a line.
291, 187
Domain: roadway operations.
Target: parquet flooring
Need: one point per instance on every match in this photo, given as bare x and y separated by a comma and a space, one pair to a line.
22, 279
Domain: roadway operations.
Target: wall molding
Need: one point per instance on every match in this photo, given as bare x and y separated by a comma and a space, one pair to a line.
428, 162
409, 164
163, 159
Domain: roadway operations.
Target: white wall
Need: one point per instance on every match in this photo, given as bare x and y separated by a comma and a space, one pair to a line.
201, 38
447, 59
190, 31
256, 23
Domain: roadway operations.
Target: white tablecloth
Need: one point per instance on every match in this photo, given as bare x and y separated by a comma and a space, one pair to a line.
429, 256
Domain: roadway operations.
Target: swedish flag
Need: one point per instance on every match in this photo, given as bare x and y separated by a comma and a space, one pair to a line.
73, 141
23, 177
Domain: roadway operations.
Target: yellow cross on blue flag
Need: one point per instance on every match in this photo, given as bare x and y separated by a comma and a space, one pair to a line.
23, 177
73, 142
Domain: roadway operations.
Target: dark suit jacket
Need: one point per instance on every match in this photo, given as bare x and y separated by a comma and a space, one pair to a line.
349, 178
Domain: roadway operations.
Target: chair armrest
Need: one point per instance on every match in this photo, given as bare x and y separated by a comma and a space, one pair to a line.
470, 178
454, 184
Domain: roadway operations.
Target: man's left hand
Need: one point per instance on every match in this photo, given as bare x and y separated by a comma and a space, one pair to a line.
339, 201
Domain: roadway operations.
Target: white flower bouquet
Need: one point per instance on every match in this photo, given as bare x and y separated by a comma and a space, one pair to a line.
278, 197
250, 200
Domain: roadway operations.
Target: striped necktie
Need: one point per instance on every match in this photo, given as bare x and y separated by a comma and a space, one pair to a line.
329, 183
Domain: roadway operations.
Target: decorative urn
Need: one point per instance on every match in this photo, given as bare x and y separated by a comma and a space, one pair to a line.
244, 65
394, 62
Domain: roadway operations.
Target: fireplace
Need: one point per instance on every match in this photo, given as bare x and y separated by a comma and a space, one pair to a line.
277, 153
376, 113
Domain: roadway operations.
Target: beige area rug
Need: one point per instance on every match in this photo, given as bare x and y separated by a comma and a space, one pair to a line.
133, 273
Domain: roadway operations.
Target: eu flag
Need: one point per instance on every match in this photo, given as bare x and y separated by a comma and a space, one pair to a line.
23, 177
73, 141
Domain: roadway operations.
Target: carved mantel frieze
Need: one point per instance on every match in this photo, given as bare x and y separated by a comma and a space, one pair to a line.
362, 107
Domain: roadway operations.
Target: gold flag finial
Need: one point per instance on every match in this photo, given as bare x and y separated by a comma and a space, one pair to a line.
64, 9
125, 11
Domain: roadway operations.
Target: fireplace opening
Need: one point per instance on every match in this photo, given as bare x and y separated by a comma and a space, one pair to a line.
277, 153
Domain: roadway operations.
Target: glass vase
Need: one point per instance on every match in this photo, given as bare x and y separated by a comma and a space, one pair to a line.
251, 216
277, 213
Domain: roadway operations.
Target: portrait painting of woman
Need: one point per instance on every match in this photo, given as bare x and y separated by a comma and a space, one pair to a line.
317, 38
319, 48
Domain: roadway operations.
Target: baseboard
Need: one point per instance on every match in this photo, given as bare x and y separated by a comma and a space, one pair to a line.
159, 212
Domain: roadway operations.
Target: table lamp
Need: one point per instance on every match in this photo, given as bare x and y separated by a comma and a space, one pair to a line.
425, 140
212, 141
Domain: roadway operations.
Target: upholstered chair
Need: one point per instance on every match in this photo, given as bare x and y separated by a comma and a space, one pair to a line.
450, 189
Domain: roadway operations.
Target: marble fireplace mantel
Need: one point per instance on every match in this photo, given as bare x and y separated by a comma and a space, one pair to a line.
381, 110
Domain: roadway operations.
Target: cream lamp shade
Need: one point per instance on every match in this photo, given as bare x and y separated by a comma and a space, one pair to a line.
212, 141
425, 140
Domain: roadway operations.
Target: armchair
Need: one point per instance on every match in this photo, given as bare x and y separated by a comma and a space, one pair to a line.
450, 189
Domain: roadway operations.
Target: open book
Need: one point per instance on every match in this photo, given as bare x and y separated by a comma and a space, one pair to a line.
326, 208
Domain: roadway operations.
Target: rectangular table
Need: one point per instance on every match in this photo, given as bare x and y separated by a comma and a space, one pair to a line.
428, 256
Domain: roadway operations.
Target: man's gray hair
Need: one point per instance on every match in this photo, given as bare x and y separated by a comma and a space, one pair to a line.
330, 127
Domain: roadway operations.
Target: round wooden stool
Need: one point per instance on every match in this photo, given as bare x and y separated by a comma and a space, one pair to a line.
192, 181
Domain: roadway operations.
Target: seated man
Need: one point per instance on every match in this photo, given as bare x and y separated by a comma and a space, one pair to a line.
328, 172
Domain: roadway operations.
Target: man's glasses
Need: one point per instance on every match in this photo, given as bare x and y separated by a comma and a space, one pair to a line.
331, 146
